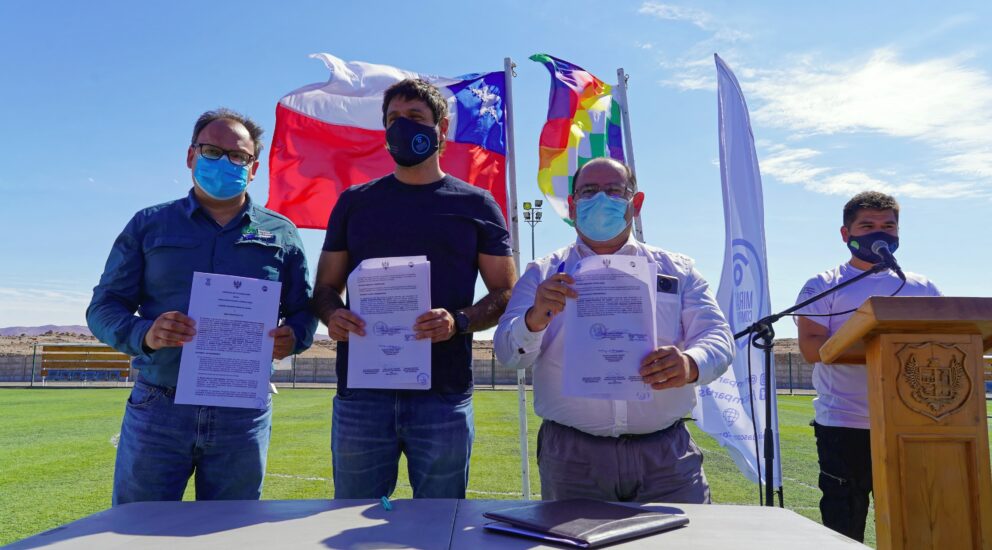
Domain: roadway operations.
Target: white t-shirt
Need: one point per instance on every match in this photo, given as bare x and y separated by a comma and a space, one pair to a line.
842, 390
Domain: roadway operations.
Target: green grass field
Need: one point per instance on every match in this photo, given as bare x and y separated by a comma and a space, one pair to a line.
57, 456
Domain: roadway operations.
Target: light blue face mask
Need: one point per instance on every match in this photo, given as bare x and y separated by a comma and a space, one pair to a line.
220, 179
601, 217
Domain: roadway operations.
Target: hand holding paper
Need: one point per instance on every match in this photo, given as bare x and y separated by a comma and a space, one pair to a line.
437, 325
342, 322
667, 367
285, 342
549, 300
171, 329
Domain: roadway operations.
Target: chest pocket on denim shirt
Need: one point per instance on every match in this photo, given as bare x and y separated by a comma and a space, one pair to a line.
669, 319
172, 259
260, 259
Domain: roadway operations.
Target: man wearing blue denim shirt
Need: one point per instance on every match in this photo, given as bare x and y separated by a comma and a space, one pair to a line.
139, 307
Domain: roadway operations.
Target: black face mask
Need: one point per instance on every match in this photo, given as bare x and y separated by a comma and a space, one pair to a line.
410, 143
860, 246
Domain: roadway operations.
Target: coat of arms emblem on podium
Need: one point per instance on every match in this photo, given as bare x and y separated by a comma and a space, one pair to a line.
933, 380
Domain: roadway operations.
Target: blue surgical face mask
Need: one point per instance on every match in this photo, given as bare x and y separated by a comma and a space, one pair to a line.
860, 246
601, 217
220, 179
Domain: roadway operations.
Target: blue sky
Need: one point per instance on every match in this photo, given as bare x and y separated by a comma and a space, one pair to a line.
98, 100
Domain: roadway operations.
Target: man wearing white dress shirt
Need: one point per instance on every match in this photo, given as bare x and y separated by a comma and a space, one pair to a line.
605, 449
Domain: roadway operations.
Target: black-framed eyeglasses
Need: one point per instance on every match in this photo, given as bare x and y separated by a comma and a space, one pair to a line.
616, 191
213, 152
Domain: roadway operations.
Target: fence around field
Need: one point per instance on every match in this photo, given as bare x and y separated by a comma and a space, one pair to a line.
792, 372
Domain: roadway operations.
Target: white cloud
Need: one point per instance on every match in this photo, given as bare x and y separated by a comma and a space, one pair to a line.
671, 12
693, 69
796, 166
941, 104
938, 100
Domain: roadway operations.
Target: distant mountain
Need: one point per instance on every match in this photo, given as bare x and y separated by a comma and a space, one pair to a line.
44, 329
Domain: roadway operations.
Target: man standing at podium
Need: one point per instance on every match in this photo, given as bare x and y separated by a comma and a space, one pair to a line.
841, 406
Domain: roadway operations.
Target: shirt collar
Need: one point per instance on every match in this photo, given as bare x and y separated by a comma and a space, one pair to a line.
191, 204
629, 248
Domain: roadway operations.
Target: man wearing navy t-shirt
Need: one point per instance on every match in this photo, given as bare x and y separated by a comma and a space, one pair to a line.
418, 210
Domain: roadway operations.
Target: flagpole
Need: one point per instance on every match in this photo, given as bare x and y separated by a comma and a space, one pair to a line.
628, 140
511, 170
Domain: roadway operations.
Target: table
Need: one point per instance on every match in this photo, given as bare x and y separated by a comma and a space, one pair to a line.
426, 524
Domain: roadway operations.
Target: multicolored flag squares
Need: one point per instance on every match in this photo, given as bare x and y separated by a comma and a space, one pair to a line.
583, 124
330, 136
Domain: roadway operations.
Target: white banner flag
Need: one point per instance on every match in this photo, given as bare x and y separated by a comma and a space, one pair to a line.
725, 408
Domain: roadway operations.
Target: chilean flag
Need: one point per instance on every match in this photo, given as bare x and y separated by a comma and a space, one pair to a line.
329, 136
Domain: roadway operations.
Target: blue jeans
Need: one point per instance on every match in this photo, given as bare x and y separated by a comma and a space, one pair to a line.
370, 428
162, 444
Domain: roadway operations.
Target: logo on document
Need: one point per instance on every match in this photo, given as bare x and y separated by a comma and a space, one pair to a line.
422, 379
237, 283
265, 288
597, 331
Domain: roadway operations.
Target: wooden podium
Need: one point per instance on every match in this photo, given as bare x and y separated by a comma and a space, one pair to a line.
929, 431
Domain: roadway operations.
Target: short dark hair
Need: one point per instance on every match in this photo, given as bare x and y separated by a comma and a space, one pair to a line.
416, 88
628, 173
254, 130
868, 200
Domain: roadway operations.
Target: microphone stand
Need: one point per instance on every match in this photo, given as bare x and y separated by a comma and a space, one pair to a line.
762, 337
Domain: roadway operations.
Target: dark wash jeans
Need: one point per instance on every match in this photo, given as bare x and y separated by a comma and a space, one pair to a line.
162, 444
370, 428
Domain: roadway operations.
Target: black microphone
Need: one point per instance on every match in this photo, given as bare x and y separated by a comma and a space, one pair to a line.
881, 248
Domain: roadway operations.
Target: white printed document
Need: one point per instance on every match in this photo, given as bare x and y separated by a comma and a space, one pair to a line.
389, 294
609, 328
228, 362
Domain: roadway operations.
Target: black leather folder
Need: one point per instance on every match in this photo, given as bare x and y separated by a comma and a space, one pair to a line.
583, 523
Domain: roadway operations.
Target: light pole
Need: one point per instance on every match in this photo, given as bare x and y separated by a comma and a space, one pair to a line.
532, 216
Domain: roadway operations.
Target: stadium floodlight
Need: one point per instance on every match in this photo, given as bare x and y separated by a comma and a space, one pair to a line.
527, 206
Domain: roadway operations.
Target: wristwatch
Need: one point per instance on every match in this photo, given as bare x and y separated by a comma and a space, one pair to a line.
461, 322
